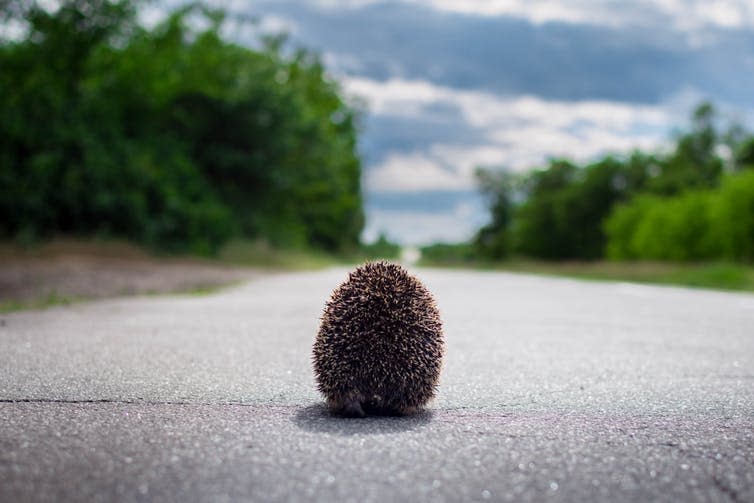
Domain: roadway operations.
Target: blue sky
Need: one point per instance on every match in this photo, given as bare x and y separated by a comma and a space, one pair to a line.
450, 85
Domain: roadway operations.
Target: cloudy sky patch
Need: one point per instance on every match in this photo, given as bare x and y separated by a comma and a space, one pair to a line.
452, 85
512, 132
687, 15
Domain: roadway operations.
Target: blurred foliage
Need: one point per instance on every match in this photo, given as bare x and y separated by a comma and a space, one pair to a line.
694, 161
172, 136
732, 217
695, 202
695, 225
652, 227
720, 275
260, 253
449, 253
382, 248
492, 242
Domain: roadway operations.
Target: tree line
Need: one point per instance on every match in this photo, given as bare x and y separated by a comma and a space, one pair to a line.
171, 136
694, 202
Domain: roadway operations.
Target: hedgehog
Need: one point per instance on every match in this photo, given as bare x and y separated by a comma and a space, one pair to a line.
380, 344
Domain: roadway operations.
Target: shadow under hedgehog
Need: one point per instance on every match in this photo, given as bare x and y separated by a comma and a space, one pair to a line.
380, 346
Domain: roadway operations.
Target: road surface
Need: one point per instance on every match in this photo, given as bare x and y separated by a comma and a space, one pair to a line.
552, 390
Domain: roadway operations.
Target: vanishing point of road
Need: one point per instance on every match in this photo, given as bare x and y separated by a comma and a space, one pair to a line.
552, 390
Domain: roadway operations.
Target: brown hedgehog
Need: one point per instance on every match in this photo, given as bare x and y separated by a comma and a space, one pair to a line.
380, 345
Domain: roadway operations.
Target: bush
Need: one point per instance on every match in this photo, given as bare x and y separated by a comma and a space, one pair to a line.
676, 228
615, 206
733, 217
620, 227
382, 248
695, 225
448, 253
172, 137
566, 205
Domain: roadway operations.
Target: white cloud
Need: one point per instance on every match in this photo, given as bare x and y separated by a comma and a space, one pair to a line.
277, 24
694, 14
151, 15
466, 157
345, 4
685, 15
537, 11
482, 109
13, 30
413, 172
418, 228
397, 96
438, 167
518, 132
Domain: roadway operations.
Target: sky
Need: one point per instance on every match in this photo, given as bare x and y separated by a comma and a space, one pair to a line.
507, 84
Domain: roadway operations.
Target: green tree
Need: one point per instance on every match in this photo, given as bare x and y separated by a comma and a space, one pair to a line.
381, 248
744, 154
694, 162
171, 136
493, 240
562, 216
694, 225
559, 212
732, 217
538, 228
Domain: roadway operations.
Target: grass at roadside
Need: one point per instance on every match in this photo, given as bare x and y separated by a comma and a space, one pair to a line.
41, 302
53, 298
64, 272
718, 275
248, 253
261, 254
67, 271
70, 271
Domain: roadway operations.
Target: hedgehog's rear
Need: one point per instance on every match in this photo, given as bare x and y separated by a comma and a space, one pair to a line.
379, 348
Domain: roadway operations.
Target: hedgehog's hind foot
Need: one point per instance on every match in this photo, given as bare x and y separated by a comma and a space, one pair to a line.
350, 407
409, 411
377, 407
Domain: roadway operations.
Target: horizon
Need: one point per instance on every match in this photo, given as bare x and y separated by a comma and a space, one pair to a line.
451, 86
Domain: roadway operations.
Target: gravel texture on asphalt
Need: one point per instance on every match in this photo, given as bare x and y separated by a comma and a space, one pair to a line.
552, 389
68, 277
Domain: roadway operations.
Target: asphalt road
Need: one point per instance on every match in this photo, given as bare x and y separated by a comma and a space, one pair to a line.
553, 390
